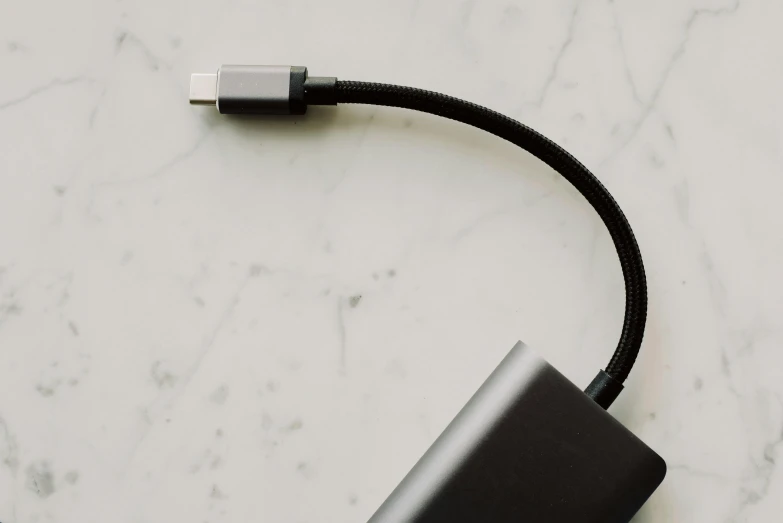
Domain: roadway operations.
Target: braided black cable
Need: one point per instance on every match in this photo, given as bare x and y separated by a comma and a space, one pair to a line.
571, 169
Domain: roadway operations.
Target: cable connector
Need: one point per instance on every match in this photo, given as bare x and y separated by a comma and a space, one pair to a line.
262, 89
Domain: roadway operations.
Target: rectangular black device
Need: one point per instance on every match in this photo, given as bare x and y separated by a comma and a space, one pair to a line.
529, 447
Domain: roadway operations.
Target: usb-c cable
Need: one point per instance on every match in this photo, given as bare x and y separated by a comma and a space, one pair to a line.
254, 89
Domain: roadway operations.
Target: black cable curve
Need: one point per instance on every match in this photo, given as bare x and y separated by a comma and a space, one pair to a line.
608, 384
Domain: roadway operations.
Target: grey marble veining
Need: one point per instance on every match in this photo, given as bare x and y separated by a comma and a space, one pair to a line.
215, 319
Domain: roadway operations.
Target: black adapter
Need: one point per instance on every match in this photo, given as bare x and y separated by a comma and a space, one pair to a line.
529, 447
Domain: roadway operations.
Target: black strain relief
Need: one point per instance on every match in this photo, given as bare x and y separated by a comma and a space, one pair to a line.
320, 90
604, 389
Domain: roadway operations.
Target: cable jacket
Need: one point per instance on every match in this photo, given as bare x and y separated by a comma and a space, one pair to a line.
561, 161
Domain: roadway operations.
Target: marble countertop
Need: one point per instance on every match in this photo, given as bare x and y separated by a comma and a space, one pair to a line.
215, 319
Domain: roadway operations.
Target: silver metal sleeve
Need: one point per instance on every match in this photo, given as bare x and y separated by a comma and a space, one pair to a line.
254, 89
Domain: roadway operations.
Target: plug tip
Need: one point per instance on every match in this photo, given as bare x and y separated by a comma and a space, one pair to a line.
203, 89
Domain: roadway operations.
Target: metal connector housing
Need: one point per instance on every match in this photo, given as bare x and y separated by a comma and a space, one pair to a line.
251, 89
254, 89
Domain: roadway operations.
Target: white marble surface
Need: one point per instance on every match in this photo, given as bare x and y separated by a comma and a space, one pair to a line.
207, 319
